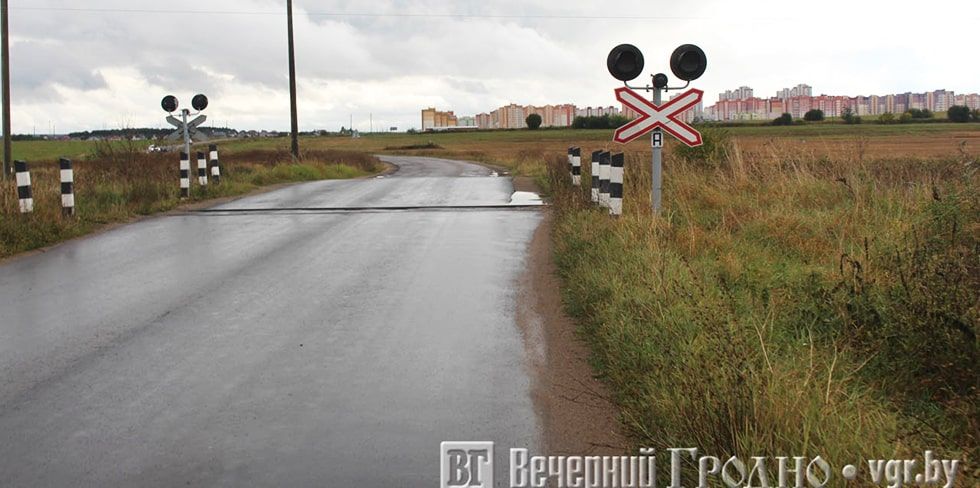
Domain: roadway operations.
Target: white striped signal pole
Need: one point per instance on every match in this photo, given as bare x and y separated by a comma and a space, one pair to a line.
67, 187
185, 175
616, 185
604, 179
202, 169
215, 169
577, 166
595, 175
24, 195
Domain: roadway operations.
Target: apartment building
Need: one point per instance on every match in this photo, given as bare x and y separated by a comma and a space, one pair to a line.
432, 118
797, 101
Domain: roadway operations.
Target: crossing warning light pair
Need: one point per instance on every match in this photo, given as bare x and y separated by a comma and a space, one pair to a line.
170, 103
688, 62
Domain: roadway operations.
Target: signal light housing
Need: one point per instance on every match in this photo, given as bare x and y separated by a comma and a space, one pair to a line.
625, 62
688, 62
169, 103
200, 102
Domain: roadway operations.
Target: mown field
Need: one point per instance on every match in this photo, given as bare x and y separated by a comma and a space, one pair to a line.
118, 181
934, 140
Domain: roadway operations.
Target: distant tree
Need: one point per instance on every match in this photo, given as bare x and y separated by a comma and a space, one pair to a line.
887, 118
599, 122
905, 118
920, 114
616, 121
975, 115
813, 115
785, 119
849, 117
533, 121
958, 113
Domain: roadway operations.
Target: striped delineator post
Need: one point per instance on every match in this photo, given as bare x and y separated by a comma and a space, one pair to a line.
595, 176
570, 160
24, 187
604, 160
185, 175
577, 166
202, 169
616, 185
67, 187
215, 169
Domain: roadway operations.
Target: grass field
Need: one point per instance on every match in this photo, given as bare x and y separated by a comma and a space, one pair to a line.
785, 303
41, 151
934, 140
514, 148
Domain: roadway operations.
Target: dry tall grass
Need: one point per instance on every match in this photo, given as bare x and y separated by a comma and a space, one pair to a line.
785, 304
118, 182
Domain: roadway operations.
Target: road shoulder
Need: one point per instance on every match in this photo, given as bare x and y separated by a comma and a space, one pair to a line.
576, 413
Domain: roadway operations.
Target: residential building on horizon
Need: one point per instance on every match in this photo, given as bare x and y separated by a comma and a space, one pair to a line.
742, 105
432, 118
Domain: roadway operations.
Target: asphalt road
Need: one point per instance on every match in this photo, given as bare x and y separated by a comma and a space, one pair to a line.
272, 347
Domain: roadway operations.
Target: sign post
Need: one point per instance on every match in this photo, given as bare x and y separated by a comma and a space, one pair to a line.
657, 144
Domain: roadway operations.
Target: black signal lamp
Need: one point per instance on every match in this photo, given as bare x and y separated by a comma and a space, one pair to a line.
169, 103
200, 102
688, 62
625, 62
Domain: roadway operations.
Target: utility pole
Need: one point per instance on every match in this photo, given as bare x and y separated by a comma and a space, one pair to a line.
292, 82
5, 48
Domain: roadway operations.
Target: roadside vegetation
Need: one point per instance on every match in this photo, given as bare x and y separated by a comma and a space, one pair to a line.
785, 303
116, 182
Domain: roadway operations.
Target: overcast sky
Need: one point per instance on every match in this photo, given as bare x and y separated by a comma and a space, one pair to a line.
107, 63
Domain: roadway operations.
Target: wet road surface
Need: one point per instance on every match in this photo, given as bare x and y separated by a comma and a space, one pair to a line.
272, 348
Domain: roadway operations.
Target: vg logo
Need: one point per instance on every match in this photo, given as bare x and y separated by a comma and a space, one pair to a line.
466, 465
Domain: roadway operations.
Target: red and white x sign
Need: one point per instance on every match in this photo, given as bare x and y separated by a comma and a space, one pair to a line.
664, 116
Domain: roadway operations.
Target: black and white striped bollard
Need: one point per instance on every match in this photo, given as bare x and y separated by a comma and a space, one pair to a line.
595, 176
215, 169
24, 187
616, 185
67, 187
577, 166
604, 160
202, 169
185, 175
570, 160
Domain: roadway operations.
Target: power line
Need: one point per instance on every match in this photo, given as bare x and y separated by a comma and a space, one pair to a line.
372, 14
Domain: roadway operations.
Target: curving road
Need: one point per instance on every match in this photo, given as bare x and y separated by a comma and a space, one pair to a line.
251, 346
